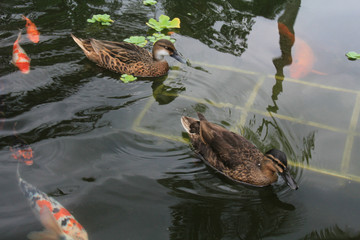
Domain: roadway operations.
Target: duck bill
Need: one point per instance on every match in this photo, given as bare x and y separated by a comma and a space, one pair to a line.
289, 180
177, 56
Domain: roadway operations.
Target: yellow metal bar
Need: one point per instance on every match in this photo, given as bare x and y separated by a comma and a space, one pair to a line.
233, 69
251, 100
312, 84
326, 171
226, 68
350, 138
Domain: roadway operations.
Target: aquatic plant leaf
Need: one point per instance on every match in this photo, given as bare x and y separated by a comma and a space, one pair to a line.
104, 19
175, 23
154, 24
149, 2
138, 40
158, 36
353, 55
163, 23
127, 78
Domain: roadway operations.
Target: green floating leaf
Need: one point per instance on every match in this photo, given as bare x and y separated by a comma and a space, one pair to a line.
127, 78
157, 36
104, 19
138, 40
352, 55
149, 2
163, 23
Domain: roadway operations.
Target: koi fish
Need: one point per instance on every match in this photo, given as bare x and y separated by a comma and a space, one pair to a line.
31, 29
303, 59
20, 58
58, 222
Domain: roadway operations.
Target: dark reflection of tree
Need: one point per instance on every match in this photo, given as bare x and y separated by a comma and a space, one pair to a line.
253, 214
287, 37
223, 25
279, 140
331, 233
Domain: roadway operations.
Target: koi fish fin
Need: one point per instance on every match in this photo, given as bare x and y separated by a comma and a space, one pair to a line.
19, 36
44, 235
52, 229
318, 72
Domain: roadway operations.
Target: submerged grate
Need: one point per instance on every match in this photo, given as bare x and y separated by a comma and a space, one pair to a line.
350, 132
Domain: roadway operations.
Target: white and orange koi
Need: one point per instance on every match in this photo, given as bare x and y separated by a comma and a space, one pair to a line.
31, 29
57, 221
20, 58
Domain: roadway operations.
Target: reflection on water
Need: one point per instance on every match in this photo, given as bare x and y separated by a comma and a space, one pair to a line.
228, 22
334, 232
212, 210
166, 93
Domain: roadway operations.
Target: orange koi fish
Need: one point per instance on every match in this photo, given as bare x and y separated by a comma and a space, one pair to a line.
58, 222
303, 59
20, 58
31, 29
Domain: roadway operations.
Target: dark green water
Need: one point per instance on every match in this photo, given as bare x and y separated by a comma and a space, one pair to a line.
115, 154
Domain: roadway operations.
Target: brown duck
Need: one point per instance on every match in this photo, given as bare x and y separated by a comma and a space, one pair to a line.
128, 58
234, 156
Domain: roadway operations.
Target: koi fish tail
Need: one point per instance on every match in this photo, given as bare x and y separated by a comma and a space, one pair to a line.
21, 151
19, 36
52, 229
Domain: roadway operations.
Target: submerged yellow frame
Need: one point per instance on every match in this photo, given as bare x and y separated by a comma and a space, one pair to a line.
350, 132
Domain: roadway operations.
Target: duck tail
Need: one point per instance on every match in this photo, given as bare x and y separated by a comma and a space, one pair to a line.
201, 117
80, 43
191, 125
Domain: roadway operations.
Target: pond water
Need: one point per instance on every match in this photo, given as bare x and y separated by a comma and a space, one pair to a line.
115, 154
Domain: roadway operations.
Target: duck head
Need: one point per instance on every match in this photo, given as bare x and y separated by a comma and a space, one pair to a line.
280, 163
163, 48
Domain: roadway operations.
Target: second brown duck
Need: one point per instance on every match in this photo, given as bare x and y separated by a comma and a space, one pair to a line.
128, 58
234, 156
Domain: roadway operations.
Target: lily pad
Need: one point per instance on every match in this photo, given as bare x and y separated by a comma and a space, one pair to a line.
127, 78
158, 36
149, 2
164, 22
353, 55
104, 19
138, 40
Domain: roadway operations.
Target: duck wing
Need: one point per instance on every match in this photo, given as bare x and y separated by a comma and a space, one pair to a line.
230, 148
126, 52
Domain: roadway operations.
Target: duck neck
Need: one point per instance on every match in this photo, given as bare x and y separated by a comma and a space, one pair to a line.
158, 55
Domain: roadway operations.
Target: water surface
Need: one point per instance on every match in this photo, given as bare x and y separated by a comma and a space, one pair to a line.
115, 154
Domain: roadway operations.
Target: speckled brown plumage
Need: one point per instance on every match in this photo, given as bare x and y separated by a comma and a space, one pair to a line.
128, 58
234, 156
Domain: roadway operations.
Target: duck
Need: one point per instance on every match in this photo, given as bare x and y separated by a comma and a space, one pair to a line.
128, 58
234, 156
